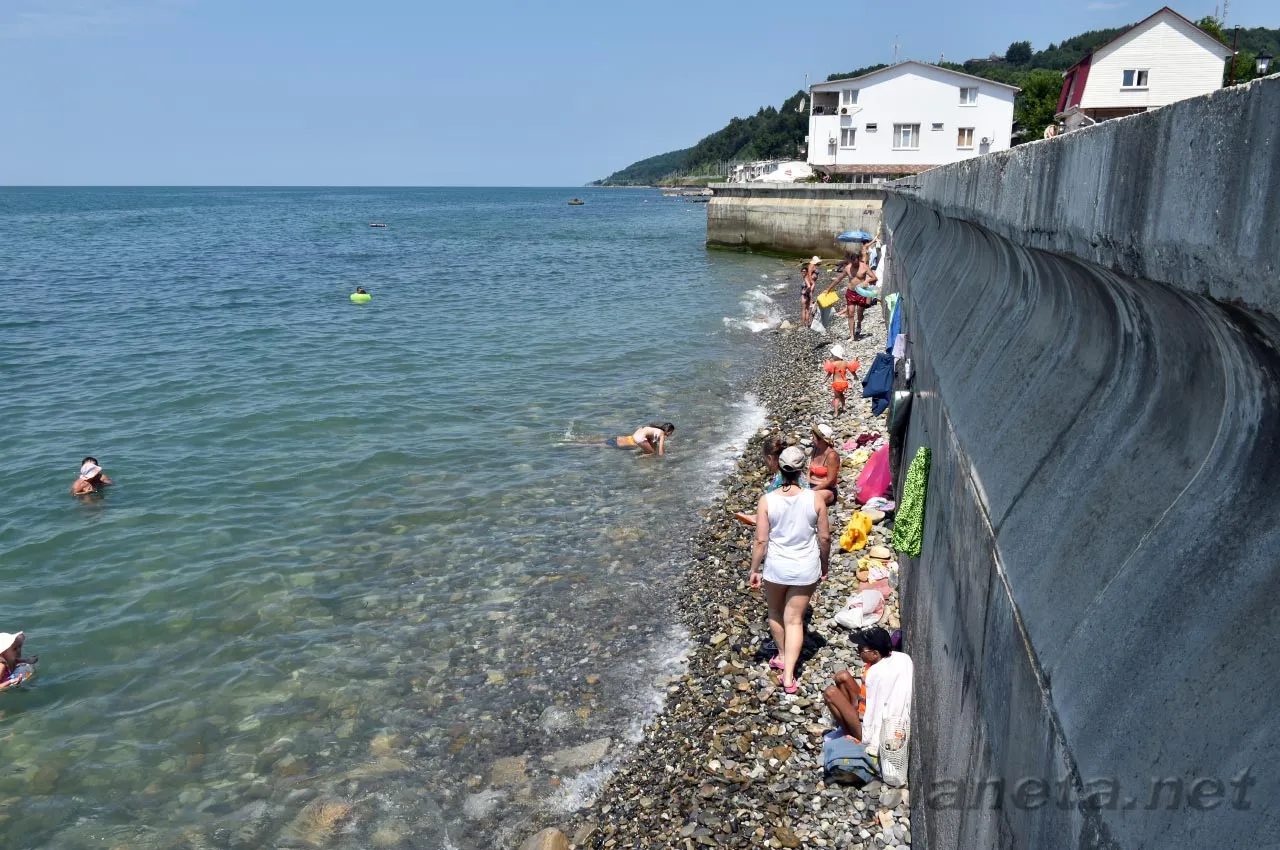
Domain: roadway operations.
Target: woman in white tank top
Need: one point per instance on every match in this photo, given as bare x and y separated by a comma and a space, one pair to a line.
793, 542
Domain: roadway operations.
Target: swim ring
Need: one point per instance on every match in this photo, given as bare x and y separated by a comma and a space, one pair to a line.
867, 293
20, 676
361, 298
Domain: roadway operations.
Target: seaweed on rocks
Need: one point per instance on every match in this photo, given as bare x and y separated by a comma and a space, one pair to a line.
732, 760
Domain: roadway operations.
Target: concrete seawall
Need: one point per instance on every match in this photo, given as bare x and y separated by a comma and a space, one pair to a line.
798, 219
1092, 326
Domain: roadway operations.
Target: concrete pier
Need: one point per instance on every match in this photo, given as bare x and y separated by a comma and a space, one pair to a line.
792, 219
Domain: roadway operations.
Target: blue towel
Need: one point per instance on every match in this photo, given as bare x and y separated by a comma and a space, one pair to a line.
895, 324
878, 384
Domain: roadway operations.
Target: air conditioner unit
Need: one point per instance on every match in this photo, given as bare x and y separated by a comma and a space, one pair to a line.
985, 140
844, 110
831, 141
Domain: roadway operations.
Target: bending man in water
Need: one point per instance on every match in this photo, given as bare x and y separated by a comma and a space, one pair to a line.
650, 439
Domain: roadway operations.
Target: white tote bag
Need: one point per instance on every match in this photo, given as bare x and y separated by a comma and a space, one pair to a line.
895, 740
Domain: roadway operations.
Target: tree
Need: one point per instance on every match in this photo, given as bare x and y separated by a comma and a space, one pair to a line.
1037, 103
1213, 27
1019, 53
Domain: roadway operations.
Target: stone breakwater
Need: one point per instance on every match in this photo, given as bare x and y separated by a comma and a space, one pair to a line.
733, 761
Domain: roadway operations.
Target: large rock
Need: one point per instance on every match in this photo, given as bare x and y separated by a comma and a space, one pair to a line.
585, 755
508, 771
548, 839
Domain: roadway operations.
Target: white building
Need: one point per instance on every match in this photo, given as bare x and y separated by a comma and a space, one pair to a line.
905, 119
1158, 61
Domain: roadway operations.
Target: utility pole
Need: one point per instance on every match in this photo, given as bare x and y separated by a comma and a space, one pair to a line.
1235, 53
1226, 7
895, 50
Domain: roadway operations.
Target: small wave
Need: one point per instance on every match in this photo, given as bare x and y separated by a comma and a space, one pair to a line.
666, 662
755, 326
760, 312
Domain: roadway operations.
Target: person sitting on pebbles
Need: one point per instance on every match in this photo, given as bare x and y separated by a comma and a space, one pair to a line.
91, 478
824, 466
860, 710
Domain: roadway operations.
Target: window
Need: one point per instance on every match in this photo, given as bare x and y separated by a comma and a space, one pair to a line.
906, 136
937, 127
964, 137
871, 128
847, 135
848, 97
969, 96
1136, 79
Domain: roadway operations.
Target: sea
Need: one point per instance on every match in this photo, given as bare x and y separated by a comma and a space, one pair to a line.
367, 574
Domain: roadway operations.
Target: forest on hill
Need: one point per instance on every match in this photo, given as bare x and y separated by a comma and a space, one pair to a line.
779, 132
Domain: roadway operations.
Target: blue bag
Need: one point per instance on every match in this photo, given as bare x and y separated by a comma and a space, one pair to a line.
845, 761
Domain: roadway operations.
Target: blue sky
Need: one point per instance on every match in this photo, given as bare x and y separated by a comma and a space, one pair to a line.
469, 92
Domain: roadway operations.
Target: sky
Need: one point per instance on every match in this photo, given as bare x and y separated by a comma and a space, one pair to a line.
463, 93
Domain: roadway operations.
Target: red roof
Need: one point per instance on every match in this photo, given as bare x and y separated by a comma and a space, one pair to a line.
1079, 72
1073, 84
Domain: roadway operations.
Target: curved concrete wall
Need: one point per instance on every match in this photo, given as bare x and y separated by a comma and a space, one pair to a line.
1188, 194
1096, 600
794, 219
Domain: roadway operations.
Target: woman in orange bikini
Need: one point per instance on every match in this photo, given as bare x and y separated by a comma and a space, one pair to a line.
824, 465
839, 369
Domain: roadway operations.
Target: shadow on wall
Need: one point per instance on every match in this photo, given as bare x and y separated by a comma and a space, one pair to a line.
1094, 609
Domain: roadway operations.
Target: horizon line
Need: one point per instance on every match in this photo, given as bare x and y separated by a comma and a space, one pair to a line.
291, 186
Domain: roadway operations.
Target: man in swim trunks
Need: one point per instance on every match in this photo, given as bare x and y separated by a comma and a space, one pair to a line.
91, 479
859, 273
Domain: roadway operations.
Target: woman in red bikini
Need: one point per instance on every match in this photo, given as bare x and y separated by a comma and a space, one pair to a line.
824, 465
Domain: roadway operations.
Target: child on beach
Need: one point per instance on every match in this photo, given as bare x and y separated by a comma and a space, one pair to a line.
839, 370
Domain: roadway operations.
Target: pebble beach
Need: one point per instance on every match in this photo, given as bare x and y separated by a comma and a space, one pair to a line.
733, 761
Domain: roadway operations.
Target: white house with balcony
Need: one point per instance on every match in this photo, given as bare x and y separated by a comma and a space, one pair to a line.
1157, 61
905, 119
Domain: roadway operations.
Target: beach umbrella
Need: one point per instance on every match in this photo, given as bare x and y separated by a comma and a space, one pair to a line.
854, 236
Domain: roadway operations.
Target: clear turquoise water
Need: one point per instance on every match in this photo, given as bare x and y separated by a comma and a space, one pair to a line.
348, 561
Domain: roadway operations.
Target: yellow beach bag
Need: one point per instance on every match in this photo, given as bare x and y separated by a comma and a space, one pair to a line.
828, 299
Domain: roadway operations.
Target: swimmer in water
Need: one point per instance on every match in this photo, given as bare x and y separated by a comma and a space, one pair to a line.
10, 652
650, 439
91, 480
360, 291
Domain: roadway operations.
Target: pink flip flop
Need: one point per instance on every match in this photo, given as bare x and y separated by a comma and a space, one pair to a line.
793, 687
776, 663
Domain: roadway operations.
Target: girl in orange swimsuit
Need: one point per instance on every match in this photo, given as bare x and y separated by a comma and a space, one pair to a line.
839, 371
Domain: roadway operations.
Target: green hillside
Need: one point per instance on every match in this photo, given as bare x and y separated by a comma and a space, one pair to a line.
777, 133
